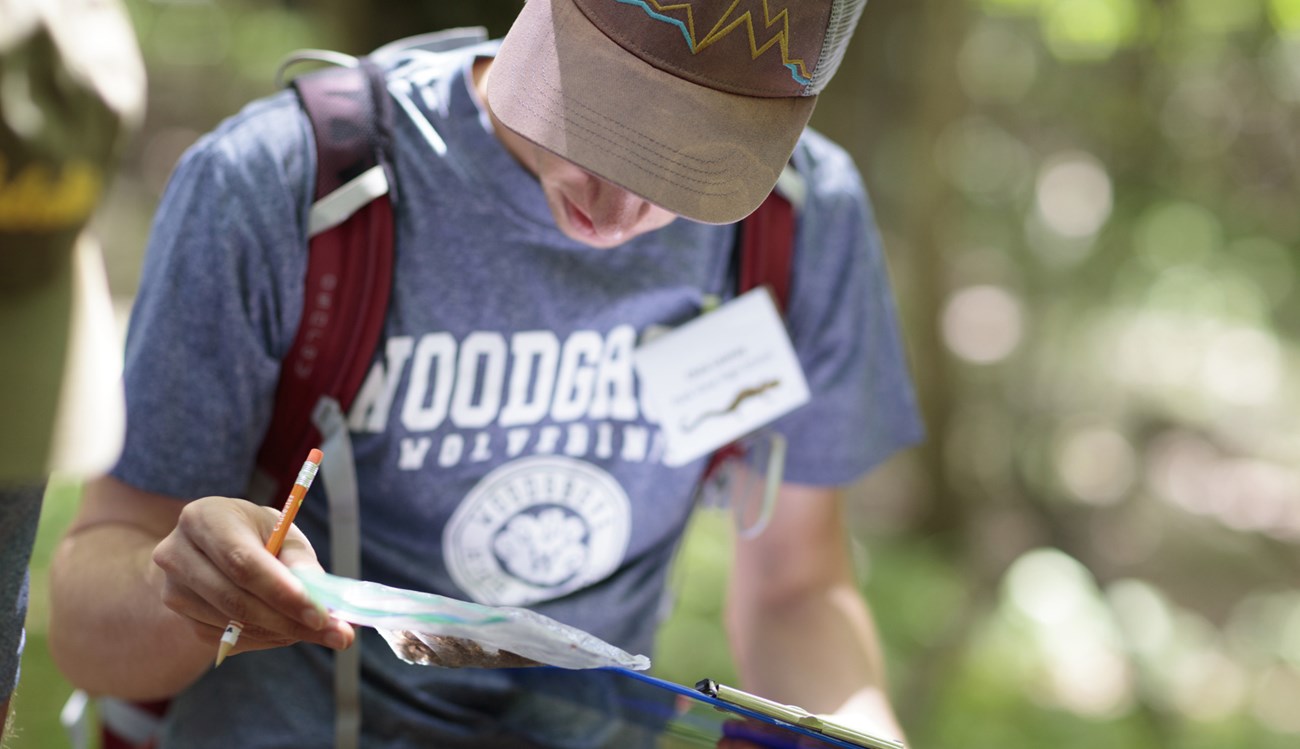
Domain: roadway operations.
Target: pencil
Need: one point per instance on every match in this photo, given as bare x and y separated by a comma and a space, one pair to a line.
273, 544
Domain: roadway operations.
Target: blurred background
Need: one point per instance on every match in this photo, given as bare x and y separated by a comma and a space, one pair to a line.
1090, 213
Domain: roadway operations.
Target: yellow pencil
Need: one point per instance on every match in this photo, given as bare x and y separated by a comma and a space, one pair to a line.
273, 544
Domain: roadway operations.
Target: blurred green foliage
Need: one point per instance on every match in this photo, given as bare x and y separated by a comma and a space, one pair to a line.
1089, 208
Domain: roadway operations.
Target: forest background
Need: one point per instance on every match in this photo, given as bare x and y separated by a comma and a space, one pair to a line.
1089, 209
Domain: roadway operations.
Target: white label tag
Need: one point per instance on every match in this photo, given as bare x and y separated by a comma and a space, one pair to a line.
721, 376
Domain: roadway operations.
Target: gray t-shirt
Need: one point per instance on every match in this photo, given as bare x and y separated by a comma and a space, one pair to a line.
502, 452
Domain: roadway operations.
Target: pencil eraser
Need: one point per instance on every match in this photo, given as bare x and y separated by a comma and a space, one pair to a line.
315, 456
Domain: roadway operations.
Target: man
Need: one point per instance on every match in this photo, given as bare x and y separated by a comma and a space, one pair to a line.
558, 197
73, 80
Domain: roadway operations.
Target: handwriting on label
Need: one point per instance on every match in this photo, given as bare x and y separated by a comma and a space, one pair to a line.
741, 397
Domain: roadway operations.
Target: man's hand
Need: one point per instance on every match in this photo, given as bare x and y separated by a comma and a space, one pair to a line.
215, 568
143, 584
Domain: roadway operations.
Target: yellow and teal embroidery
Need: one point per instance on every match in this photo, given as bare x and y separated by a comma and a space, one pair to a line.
725, 25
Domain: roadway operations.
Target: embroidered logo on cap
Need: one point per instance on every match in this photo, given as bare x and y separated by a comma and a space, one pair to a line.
764, 48
730, 21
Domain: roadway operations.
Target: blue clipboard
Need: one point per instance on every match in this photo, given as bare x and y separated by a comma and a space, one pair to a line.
775, 732
614, 708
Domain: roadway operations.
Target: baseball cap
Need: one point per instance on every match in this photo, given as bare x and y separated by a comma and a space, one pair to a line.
75, 83
695, 105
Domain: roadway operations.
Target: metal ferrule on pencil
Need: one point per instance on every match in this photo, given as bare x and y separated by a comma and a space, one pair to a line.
307, 473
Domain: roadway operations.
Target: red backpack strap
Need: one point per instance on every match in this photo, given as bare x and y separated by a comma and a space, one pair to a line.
764, 257
767, 249
350, 262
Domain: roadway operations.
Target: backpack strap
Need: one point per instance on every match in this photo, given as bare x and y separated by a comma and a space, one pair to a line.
349, 278
766, 248
764, 256
349, 267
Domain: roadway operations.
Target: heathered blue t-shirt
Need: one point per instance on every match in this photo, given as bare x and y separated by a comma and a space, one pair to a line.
502, 451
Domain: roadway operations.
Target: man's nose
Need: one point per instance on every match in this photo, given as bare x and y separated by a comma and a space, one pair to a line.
613, 210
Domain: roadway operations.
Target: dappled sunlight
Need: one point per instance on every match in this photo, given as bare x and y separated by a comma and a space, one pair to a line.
1207, 686
1245, 494
982, 324
1082, 666
1073, 195
1097, 463
1285, 15
1089, 29
1275, 697
1180, 356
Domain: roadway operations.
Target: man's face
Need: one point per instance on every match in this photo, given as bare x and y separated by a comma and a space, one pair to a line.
586, 208
589, 209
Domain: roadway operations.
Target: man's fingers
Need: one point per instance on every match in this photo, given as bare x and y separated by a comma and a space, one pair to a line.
184, 601
200, 592
234, 541
218, 570
262, 626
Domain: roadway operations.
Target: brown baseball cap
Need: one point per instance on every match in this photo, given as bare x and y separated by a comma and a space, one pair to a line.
695, 105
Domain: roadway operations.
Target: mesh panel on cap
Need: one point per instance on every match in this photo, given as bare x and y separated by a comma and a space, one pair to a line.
844, 18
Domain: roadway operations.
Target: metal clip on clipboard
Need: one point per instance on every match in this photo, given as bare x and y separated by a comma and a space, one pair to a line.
796, 716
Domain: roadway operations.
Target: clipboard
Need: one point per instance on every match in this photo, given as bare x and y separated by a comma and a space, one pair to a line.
616, 708
784, 724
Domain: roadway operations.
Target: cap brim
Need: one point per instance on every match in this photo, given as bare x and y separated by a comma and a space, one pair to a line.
704, 154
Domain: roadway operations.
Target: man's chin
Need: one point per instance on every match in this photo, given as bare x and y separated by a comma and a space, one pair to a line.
596, 242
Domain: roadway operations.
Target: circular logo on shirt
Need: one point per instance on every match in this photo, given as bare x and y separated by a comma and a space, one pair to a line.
536, 529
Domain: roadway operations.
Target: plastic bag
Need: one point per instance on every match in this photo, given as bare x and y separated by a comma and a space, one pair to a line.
432, 630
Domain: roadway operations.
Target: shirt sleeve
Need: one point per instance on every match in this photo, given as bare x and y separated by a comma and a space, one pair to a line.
844, 327
220, 296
